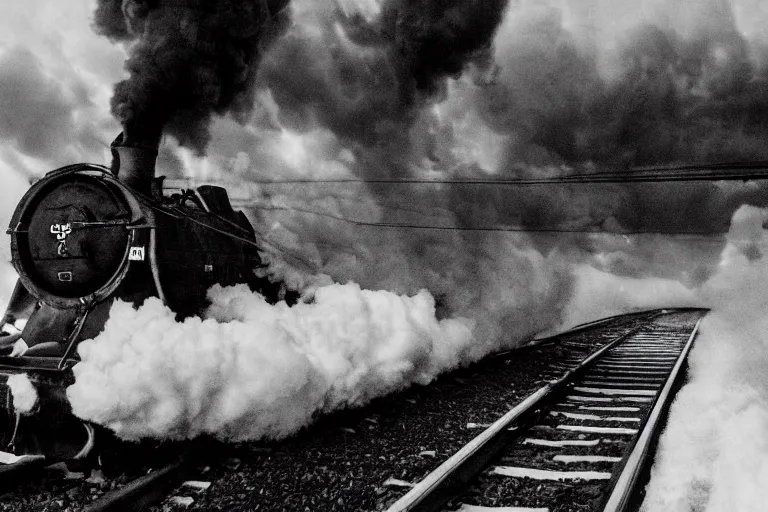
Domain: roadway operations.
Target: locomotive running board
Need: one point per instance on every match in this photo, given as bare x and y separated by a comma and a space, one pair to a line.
30, 363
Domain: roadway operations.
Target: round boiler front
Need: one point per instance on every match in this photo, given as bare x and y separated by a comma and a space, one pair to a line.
73, 239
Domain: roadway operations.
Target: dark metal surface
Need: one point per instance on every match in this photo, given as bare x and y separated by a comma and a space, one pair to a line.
12, 474
11, 365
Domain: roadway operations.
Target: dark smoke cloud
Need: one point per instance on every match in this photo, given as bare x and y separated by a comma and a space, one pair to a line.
350, 91
188, 60
108, 19
675, 93
675, 98
680, 100
367, 84
435, 39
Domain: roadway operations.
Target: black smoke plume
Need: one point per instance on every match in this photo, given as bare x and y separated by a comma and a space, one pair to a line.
188, 60
367, 81
435, 39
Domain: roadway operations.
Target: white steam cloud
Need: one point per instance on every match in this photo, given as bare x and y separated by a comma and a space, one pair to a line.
252, 370
714, 453
24, 393
599, 294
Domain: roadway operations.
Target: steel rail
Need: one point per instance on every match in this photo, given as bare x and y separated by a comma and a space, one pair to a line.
430, 493
594, 323
623, 490
147, 490
539, 342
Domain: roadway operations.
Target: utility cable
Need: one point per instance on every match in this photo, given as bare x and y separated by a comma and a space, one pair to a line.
746, 171
510, 229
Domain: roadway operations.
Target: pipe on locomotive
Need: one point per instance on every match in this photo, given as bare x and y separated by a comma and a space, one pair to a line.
133, 163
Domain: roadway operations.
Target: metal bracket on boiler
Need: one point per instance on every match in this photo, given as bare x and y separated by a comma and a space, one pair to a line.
72, 339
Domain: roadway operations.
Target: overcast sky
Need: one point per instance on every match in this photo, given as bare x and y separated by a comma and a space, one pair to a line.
563, 84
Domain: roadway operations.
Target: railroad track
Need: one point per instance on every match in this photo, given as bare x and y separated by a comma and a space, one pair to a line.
145, 491
72, 491
581, 442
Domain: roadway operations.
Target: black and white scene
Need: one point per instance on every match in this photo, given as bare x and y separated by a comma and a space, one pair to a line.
384, 255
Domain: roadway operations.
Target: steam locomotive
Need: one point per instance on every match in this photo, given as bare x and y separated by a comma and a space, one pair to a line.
86, 235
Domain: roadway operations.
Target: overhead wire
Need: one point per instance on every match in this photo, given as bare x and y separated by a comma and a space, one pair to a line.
744, 171
510, 229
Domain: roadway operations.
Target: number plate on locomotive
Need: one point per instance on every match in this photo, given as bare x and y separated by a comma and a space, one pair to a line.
136, 254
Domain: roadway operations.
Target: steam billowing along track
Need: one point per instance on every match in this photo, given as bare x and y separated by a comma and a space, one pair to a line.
366, 459
581, 442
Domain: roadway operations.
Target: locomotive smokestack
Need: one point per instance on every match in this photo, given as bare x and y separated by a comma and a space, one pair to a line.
133, 162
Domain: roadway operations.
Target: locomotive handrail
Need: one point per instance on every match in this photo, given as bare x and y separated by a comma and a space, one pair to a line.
100, 223
174, 212
78, 224
15, 230
97, 168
